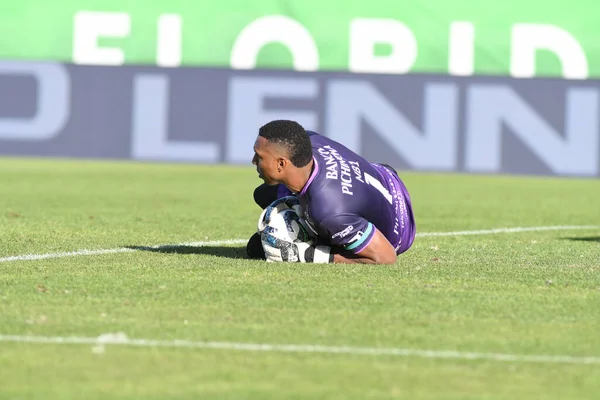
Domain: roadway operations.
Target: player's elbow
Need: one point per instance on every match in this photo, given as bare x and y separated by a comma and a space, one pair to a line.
380, 251
387, 260
385, 257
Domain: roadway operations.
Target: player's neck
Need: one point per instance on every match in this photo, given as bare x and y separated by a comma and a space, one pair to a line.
300, 177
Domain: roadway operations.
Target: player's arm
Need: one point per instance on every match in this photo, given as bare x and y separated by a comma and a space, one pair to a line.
378, 251
355, 240
344, 238
267, 194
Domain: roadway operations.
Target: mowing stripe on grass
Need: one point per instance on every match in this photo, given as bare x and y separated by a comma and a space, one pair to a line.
241, 241
123, 340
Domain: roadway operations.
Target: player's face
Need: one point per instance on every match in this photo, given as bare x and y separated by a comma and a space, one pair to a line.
269, 162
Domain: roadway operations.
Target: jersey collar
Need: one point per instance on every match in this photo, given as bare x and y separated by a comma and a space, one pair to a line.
312, 177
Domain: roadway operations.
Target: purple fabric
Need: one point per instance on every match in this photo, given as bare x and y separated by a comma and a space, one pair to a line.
347, 199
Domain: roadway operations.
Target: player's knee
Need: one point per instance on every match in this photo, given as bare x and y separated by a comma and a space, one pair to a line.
265, 195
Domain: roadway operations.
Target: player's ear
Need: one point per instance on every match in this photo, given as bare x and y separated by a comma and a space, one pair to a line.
281, 164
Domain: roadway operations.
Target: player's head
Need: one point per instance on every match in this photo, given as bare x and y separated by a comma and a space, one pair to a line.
281, 146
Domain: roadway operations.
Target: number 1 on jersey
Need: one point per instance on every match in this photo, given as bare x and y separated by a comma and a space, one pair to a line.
377, 185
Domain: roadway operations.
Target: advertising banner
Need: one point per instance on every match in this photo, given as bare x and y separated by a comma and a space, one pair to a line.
455, 37
201, 115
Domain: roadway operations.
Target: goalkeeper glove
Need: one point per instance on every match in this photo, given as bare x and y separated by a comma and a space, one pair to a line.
277, 250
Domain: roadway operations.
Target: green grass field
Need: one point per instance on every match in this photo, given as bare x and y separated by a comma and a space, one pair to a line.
522, 294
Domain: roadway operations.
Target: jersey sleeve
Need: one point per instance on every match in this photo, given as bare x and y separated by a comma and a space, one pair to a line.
351, 232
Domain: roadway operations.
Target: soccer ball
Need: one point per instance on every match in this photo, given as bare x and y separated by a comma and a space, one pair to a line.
288, 226
282, 220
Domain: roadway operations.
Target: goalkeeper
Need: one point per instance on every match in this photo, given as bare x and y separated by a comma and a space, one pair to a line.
359, 211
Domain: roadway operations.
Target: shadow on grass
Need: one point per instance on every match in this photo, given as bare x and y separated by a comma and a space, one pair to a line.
218, 251
585, 239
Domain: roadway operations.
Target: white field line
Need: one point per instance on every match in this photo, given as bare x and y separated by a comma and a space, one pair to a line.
118, 250
511, 230
240, 241
123, 340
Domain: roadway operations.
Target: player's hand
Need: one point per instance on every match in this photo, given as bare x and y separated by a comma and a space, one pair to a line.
277, 250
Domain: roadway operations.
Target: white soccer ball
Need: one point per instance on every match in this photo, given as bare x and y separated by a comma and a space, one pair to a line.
288, 226
283, 221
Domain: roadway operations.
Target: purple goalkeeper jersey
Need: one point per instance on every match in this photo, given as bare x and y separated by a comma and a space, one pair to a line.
347, 197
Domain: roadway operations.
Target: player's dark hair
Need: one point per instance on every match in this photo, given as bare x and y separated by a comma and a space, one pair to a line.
292, 137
